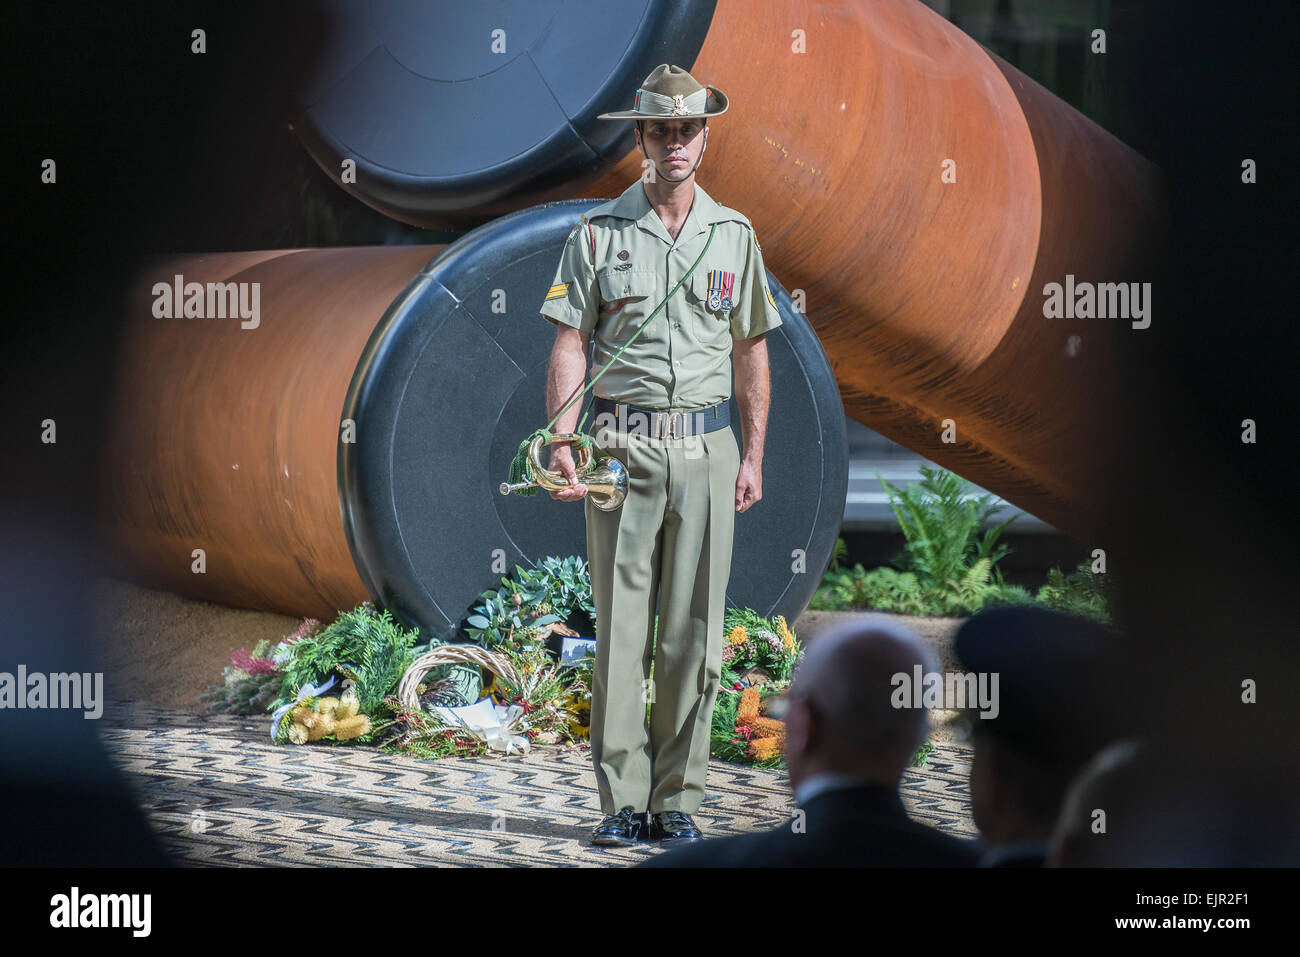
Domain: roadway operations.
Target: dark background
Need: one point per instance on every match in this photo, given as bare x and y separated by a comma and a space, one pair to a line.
160, 150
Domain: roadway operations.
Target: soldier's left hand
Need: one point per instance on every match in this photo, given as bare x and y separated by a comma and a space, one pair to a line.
749, 485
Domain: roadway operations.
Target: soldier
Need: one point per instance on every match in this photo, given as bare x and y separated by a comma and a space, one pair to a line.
663, 402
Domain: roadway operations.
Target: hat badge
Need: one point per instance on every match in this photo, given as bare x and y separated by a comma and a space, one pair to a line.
679, 108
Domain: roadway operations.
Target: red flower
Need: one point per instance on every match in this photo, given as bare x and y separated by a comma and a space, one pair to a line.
242, 660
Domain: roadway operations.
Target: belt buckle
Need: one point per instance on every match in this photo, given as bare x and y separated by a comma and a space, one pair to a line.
673, 425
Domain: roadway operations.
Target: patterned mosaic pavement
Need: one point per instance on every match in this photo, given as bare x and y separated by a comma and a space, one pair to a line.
220, 794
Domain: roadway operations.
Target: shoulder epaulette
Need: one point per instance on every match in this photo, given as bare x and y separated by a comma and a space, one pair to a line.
728, 215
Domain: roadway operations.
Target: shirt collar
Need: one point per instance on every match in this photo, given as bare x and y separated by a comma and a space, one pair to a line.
827, 781
634, 204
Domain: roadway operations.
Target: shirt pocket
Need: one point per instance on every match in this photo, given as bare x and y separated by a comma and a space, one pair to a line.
699, 295
620, 290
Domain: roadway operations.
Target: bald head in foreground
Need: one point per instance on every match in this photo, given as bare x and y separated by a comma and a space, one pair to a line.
846, 748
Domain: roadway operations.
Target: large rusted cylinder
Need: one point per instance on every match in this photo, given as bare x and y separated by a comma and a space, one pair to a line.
225, 438
351, 441
451, 114
928, 295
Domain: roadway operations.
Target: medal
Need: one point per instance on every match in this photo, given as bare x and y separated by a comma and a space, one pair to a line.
720, 284
728, 280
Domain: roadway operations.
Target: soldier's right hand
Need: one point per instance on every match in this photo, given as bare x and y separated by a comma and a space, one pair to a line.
562, 462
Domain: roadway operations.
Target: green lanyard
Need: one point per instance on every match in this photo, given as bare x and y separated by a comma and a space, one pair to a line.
638, 332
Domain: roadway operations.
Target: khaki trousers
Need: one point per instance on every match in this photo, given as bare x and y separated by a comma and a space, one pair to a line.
670, 543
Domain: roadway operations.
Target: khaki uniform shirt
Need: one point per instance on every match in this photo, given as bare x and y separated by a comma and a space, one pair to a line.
620, 262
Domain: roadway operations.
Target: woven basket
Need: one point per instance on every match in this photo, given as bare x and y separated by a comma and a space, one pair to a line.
498, 664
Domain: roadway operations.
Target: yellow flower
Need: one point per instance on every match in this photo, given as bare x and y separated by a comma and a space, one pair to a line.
352, 727
323, 725
737, 636
760, 749
782, 629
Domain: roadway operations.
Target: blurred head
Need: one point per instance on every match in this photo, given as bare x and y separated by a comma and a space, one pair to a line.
1155, 803
1015, 792
1101, 797
840, 717
1059, 681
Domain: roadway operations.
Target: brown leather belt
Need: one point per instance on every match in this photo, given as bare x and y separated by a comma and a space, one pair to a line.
634, 420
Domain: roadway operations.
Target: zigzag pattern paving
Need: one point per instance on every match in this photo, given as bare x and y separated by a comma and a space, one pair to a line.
220, 794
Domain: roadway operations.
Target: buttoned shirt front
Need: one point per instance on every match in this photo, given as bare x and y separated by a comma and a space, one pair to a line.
617, 266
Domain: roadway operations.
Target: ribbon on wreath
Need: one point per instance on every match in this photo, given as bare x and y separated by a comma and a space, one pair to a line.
306, 691
491, 723
500, 738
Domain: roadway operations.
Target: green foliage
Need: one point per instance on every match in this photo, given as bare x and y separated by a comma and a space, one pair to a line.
362, 644
889, 590
1082, 592
541, 685
384, 659
838, 554
768, 644
884, 589
243, 692
948, 565
943, 526
723, 730
562, 583
510, 617
251, 694
425, 734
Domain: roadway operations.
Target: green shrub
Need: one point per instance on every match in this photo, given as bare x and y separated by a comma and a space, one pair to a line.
889, 590
884, 589
943, 526
512, 615
367, 646
1082, 592
767, 643
838, 554
948, 565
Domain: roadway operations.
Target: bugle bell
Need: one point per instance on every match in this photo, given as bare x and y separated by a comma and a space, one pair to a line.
605, 477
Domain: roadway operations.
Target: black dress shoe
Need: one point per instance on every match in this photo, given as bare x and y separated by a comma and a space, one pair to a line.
671, 827
623, 829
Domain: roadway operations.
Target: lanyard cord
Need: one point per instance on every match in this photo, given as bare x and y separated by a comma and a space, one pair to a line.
614, 358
